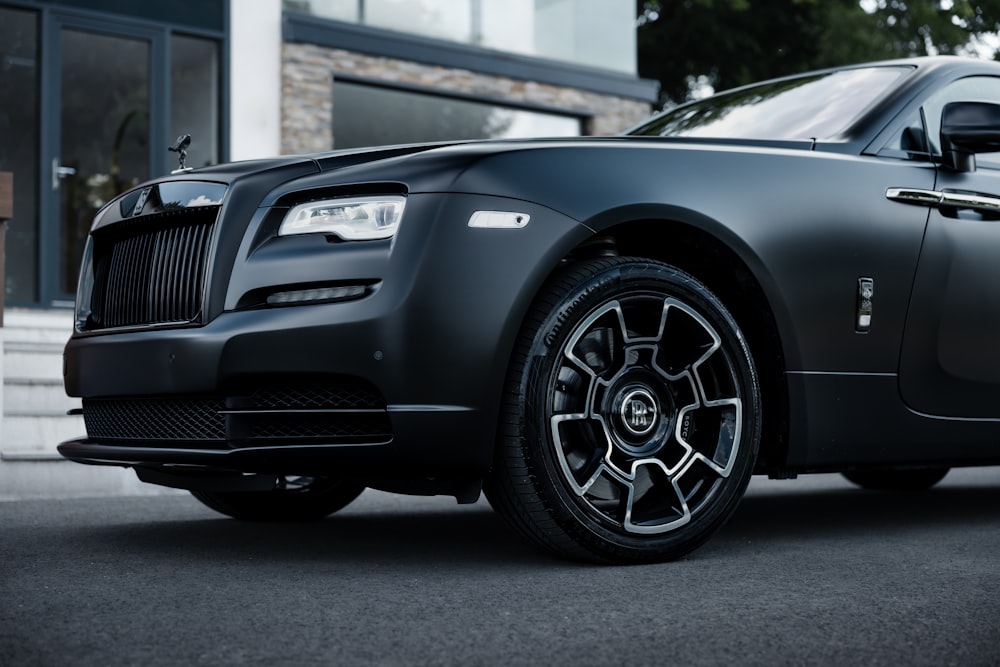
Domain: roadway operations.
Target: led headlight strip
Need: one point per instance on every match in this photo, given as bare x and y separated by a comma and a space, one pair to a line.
350, 218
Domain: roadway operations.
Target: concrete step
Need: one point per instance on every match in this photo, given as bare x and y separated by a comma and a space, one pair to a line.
25, 435
36, 397
56, 336
38, 326
34, 401
20, 363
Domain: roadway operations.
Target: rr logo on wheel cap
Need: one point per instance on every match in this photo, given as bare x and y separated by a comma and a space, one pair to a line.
638, 412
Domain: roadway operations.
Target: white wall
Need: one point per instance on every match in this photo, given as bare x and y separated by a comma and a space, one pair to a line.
255, 79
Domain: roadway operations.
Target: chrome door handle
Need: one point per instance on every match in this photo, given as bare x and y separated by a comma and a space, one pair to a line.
939, 199
60, 172
914, 196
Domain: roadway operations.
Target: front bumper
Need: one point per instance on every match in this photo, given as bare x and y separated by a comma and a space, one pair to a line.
277, 390
421, 447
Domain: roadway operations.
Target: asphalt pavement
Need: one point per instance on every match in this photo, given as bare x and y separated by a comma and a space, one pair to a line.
808, 572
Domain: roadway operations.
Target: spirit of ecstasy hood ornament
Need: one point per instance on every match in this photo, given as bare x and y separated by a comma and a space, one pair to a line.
180, 147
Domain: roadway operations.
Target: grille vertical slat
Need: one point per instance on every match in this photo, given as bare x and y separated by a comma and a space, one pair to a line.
152, 289
170, 303
202, 240
180, 271
151, 270
169, 275
115, 280
165, 275
110, 294
187, 264
144, 254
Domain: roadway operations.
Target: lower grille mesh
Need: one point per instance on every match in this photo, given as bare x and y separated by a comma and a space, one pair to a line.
338, 426
344, 396
155, 419
348, 412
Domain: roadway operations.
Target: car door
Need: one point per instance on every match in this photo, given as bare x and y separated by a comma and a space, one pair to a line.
950, 357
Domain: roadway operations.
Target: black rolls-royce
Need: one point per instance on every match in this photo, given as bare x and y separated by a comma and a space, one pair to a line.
609, 335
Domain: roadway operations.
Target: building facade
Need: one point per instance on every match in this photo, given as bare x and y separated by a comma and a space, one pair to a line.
92, 93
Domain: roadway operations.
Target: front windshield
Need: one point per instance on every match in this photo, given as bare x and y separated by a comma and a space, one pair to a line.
818, 106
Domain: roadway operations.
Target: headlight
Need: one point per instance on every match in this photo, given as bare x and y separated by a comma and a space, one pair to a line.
352, 219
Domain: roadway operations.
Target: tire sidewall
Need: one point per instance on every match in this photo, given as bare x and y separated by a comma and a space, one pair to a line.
608, 280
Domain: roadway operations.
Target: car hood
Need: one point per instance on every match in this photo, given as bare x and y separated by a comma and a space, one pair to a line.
433, 167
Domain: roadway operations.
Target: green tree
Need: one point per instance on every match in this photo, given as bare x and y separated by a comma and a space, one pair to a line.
728, 43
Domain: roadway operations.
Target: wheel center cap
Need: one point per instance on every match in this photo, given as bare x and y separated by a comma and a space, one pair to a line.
638, 411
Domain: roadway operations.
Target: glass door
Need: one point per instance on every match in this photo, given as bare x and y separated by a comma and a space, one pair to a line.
104, 86
104, 133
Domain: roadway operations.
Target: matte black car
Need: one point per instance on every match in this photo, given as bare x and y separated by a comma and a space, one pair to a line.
609, 334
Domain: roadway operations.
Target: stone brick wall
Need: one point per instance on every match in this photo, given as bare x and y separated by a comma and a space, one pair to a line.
308, 101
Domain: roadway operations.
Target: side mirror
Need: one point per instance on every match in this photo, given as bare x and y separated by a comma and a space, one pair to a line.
968, 128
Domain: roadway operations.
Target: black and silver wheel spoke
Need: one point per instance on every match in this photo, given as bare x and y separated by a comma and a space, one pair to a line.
631, 414
645, 413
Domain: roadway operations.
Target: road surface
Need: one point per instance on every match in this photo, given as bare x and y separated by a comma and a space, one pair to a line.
808, 572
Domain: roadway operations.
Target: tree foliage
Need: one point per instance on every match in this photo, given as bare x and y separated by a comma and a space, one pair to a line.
726, 43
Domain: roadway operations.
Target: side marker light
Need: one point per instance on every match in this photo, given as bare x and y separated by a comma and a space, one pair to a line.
499, 220
866, 293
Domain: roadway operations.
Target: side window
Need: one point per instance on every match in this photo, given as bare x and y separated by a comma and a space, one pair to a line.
971, 89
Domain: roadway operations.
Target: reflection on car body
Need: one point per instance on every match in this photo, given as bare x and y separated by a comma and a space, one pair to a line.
610, 334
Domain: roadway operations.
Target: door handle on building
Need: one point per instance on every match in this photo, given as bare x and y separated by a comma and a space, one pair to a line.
60, 172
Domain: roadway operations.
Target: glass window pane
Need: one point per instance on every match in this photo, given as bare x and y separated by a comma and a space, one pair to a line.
341, 10
194, 98
443, 19
19, 147
808, 107
604, 34
590, 32
554, 28
366, 115
509, 26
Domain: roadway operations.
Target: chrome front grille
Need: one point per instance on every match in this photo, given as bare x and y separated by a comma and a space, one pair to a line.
152, 270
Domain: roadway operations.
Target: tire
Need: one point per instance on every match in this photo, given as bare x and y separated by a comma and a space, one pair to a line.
295, 499
631, 415
917, 479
